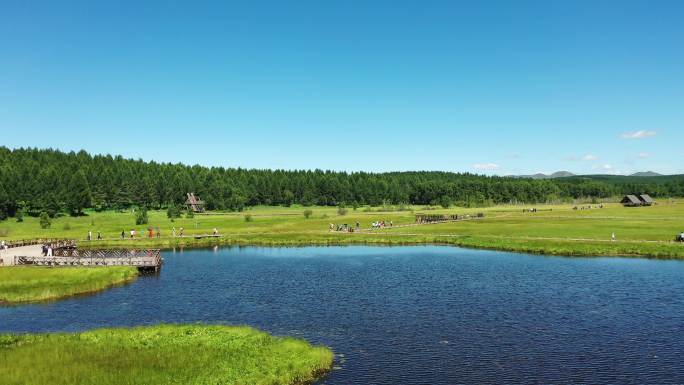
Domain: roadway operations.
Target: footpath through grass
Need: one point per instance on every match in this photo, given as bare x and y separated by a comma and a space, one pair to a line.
163, 355
553, 229
33, 283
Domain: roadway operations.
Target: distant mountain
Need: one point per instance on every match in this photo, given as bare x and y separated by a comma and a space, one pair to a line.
646, 173
561, 174
557, 174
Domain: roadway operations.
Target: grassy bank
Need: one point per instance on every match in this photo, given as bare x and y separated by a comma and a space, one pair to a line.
28, 283
553, 229
163, 354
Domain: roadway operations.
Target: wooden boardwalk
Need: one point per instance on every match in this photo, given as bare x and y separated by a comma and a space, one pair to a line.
69, 256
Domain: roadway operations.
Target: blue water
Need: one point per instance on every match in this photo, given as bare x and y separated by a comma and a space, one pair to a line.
416, 315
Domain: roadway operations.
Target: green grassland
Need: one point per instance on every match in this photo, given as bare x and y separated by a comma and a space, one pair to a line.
162, 354
554, 229
29, 283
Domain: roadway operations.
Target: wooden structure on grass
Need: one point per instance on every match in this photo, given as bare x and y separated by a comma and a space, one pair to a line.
634, 200
436, 218
194, 203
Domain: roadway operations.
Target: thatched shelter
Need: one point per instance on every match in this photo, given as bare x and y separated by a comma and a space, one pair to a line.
194, 203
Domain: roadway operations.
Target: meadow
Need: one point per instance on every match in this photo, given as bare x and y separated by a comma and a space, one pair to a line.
161, 354
28, 283
553, 229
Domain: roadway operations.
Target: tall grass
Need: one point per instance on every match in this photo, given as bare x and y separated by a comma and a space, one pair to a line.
162, 354
32, 283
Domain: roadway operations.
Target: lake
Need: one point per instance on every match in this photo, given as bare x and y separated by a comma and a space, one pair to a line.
415, 315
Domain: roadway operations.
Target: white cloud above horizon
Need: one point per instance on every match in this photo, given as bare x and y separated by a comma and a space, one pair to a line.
607, 168
586, 158
485, 166
643, 155
640, 134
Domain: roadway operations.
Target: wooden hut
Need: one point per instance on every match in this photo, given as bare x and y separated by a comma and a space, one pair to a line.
646, 200
631, 201
194, 203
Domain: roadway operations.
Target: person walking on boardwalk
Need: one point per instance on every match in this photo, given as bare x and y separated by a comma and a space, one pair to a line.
99, 236
132, 233
90, 235
49, 251
181, 232
612, 237
215, 231
123, 234
158, 233
174, 231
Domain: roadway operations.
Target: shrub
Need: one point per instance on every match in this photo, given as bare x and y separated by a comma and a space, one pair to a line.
341, 211
445, 201
20, 215
4, 232
45, 221
173, 212
141, 216
248, 217
308, 213
66, 226
189, 214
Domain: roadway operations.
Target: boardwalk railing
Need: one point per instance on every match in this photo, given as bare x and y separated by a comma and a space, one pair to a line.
54, 242
143, 259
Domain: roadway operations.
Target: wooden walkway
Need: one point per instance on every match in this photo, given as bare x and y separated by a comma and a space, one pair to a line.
68, 256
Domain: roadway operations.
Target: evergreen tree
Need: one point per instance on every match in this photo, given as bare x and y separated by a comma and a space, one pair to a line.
79, 194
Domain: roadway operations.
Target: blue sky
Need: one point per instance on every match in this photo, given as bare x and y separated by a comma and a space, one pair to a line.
495, 87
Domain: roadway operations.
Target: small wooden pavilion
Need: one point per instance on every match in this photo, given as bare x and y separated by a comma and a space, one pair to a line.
646, 200
631, 201
194, 203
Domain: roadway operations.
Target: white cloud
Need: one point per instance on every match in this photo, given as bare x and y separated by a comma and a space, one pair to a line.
485, 166
589, 157
641, 134
643, 155
606, 168
571, 158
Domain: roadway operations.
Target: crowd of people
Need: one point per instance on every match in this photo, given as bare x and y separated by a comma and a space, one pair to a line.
350, 229
149, 233
589, 207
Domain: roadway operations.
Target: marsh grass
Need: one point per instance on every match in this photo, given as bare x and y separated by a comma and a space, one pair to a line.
33, 283
162, 354
555, 229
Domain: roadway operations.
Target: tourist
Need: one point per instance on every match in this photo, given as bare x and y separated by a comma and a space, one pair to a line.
391, 223
174, 231
132, 233
99, 236
158, 233
215, 231
331, 227
358, 226
612, 237
90, 235
44, 249
181, 232
123, 234
49, 251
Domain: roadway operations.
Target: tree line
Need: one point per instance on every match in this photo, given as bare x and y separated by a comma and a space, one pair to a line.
46, 180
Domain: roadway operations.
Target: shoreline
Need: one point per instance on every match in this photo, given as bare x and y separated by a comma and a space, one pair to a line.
564, 248
36, 298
